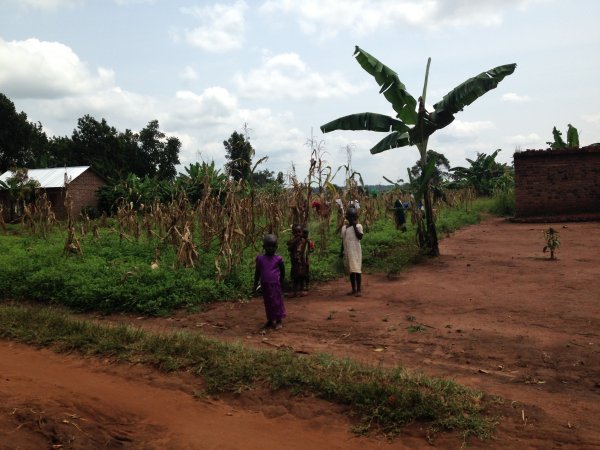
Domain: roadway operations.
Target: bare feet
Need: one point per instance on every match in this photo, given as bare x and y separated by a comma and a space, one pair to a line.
267, 325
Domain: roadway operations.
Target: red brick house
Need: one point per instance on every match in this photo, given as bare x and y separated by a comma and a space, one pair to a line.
558, 184
84, 183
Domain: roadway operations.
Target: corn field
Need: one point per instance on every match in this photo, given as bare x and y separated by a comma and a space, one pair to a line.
225, 222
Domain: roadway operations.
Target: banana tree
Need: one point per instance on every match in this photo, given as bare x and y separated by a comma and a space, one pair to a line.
413, 124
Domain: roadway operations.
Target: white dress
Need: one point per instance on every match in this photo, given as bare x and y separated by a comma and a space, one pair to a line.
352, 248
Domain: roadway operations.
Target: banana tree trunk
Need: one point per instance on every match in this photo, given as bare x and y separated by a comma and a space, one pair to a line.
431, 246
432, 240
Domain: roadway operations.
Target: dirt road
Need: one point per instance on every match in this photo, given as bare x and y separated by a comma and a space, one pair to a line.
492, 313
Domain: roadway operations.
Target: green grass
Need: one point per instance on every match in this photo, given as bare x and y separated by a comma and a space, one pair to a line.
381, 399
503, 203
116, 276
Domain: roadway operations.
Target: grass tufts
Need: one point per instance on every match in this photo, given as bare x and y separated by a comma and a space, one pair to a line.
383, 399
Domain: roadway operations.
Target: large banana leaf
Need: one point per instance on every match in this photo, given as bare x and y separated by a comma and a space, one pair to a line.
467, 92
365, 121
394, 140
453, 102
392, 88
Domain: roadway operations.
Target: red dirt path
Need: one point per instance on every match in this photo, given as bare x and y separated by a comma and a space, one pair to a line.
494, 315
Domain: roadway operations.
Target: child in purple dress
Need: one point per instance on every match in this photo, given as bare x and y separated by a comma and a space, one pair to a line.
270, 271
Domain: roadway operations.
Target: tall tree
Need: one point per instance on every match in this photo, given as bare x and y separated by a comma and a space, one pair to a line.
168, 158
95, 143
21, 142
239, 153
413, 123
161, 153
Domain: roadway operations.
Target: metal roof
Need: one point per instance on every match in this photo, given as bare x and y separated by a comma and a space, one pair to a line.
50, 178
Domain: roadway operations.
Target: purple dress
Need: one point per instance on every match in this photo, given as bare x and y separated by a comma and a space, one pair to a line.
269, 268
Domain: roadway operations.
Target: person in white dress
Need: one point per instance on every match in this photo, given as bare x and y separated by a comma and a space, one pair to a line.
352, 233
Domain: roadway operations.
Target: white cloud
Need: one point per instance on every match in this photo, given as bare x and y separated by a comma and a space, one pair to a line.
50, 4
213, 106
121, 109
526, 141
285, 75
34, 68
511, 97
188, 73
592, 118
460, 128
209, 118
133, 2
221, 27
326, 18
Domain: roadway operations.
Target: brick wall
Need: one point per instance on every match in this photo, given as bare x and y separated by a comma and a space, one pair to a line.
557, 182
83, 190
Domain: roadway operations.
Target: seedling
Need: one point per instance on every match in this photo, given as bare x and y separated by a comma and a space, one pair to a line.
552, 241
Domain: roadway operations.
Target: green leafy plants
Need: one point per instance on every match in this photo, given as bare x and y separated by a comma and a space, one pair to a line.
382, 400
413, 124
572, 138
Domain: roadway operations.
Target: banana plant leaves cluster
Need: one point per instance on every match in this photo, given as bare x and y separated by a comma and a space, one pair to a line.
572, 138
413, 124
483, 172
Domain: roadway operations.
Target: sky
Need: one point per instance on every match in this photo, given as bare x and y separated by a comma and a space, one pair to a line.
283, 68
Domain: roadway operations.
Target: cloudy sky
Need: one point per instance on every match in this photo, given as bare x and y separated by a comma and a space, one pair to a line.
285, 67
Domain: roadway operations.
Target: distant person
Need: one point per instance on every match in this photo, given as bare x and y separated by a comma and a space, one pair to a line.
317, 205
352, 250
354, 204
340, 215
270, 271
297, 251
309, 248
399, 215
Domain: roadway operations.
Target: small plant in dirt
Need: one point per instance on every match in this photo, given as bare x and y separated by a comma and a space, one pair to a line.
552, 242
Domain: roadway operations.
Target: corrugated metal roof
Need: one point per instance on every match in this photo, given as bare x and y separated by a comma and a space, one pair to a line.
50, 178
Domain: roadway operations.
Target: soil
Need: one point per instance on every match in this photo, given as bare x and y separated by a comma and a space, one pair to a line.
493, 313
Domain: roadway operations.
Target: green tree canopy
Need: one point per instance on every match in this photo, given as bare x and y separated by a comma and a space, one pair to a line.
161, 153
116, 154
239, 153
483, 173
22, 143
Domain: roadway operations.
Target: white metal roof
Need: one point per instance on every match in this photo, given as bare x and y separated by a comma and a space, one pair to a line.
50, 178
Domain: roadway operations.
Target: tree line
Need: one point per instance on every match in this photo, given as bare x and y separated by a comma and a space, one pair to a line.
114, 154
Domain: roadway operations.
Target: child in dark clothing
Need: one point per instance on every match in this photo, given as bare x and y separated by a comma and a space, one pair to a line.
270, 271
310, 246
399, 216
297, 250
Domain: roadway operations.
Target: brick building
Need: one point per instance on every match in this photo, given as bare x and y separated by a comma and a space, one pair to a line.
83, 185
558, 184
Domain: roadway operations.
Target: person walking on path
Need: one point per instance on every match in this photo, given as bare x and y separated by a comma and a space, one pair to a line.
351, 236
270, 271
